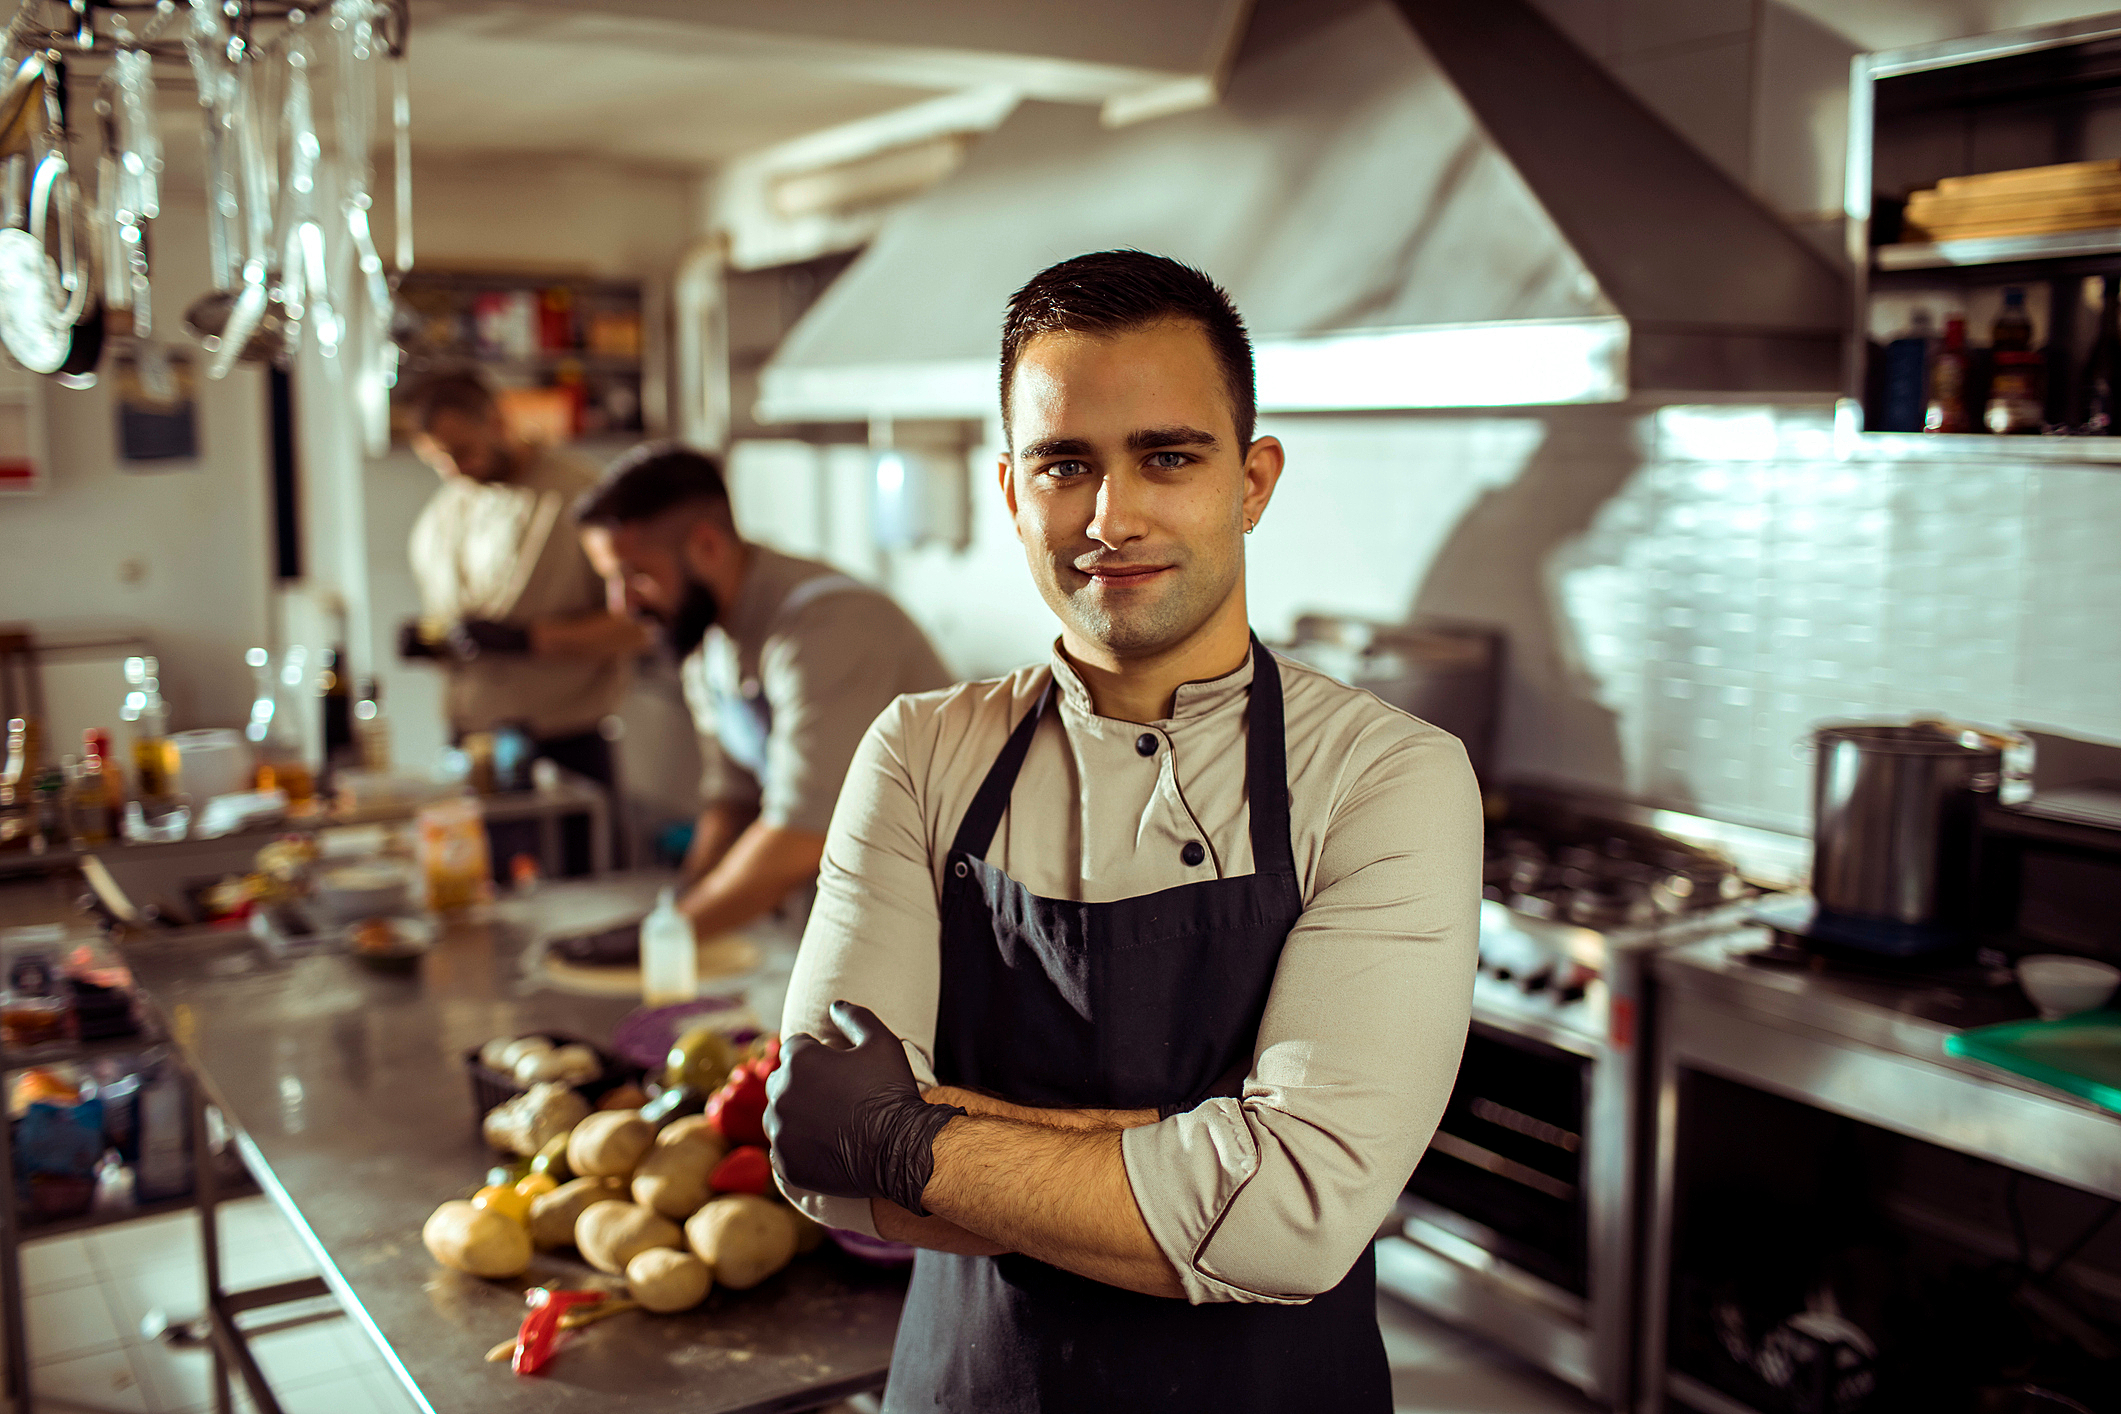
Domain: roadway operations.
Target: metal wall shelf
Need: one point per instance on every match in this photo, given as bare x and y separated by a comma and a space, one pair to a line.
1998, 250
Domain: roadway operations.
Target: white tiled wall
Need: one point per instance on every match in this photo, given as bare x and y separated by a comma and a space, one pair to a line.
1730, 596
1686, 590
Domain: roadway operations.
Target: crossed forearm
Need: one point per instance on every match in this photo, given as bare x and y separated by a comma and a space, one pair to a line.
1048, 1183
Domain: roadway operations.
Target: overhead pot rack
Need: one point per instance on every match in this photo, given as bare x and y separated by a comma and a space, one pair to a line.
289, 96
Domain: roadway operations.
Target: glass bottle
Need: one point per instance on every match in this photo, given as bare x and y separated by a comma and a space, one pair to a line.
2017, 390
1947, 410
275, 729
2099, 387
85, 817
18, 821
371, 726
103, 782
154, 755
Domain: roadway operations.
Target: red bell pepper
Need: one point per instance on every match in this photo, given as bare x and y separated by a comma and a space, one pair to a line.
541, 1328
738, 1110
745, 1170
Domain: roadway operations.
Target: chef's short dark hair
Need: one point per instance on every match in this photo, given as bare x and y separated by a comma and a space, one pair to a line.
460, 391
1114, 291
653, 480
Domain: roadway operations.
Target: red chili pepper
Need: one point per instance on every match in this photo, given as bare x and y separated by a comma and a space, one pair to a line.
738, 1110
541, 1328
745, 1170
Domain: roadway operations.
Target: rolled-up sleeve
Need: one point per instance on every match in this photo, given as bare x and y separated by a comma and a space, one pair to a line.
1272, 1196
874, 933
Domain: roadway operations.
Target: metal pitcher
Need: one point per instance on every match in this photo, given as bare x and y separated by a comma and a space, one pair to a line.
1894, 821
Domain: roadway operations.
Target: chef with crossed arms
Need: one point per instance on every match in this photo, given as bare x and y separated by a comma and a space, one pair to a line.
1137, 979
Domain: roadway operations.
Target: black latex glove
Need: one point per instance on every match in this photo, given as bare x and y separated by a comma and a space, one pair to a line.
848, 1120
411, 645
473, 637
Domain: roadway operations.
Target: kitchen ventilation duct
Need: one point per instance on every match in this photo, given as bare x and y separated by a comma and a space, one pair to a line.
1478, 217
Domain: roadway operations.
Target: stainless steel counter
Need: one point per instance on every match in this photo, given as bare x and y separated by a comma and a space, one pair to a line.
1872, 1048
348, 1093
1867, 1047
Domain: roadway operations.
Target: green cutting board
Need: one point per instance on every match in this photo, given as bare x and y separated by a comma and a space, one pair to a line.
2080, 1054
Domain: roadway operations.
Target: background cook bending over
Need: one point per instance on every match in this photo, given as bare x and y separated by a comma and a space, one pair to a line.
785, 662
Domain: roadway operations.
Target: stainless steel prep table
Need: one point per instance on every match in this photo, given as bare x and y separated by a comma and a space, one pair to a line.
1871, 1049
347, 1094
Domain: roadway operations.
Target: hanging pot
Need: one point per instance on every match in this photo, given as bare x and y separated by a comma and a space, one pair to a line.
40, 298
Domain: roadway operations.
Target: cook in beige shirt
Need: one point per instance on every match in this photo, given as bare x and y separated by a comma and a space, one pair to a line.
511, 607
1132, 476
784, 662
1360, 1043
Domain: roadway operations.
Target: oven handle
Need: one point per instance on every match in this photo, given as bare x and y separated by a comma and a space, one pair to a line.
1466, 1151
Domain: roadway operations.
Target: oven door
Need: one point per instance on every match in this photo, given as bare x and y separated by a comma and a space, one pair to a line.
1505, 1170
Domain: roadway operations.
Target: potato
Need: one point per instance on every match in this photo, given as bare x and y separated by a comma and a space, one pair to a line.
533, 1119
742, 1238
476, 1240
663, 1280
612, 1233
672, 1177
552, 1216
570, 1065
512, 1054
609, 1143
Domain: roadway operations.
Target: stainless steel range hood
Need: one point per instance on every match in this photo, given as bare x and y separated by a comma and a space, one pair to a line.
1480, 216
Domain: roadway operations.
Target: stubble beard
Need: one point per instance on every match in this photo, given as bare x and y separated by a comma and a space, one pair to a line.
1150, 626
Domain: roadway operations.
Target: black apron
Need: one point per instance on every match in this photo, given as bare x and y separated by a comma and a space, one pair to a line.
1130, 1005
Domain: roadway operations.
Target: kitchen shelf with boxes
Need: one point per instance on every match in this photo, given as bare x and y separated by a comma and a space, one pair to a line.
565, 353
1985, 229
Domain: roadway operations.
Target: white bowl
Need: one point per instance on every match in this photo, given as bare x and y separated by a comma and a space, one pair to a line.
2063, 986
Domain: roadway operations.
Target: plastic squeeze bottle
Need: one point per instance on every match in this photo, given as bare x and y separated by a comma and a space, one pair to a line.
670, 968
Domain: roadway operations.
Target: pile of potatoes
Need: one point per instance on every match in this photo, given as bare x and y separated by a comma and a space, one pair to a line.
639, 1206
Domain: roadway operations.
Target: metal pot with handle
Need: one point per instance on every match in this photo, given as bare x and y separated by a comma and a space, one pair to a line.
1894, 825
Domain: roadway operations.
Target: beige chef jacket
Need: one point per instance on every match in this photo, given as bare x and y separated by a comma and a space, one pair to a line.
784, 685
1271, 1196
510, 551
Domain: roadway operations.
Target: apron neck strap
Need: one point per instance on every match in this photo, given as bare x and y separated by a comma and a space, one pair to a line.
1266, 774
1267, 768
976, 831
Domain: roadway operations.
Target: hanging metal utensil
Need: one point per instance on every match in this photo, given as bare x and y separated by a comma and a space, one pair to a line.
206, 45
22, 105
304, 281
43, 295
250, 141
373, 355
401, 151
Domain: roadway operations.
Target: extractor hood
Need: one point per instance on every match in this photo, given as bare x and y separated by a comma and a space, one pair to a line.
1478, 216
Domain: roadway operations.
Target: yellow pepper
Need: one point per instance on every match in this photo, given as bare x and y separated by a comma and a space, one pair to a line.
536, 1185
507, 1201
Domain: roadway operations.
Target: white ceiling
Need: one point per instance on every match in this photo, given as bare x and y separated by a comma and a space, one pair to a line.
695, 84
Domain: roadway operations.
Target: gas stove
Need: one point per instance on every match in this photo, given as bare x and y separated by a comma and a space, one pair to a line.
1520, 1221
1568, 886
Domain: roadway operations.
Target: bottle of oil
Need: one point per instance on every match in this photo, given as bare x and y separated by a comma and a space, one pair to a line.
2099, 386
103, 783
2017, 391
154, 755
1947, 411
86, 820
18, 777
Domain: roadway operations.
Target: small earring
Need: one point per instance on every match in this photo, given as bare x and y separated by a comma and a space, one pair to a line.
1248, 526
